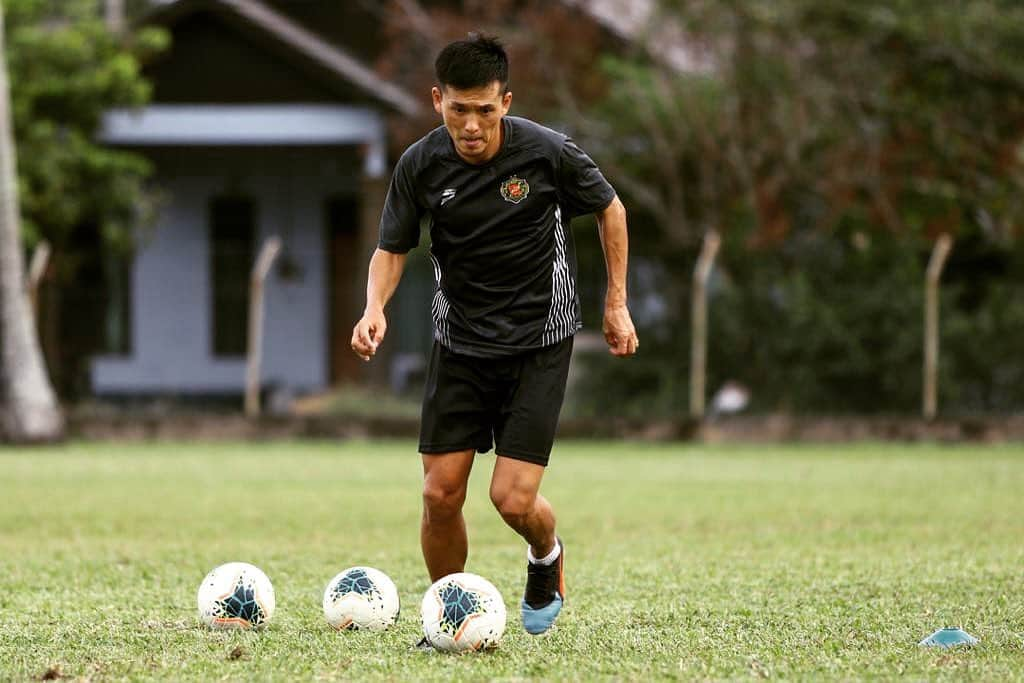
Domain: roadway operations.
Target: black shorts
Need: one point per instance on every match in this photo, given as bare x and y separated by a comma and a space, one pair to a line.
510, 403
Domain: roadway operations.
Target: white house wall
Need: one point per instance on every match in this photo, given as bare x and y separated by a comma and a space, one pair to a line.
172, 323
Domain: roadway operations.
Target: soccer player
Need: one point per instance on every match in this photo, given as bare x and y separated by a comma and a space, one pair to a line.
499, 192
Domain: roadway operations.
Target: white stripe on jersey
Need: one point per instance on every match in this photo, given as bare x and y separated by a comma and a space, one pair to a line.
439, 308
561, 320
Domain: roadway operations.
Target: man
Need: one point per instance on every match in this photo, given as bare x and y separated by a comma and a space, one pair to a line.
499, 193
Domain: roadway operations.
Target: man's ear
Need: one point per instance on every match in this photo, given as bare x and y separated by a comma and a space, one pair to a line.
435, 93
506, 102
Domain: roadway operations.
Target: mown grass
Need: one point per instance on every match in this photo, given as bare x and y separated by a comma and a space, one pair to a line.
684, 561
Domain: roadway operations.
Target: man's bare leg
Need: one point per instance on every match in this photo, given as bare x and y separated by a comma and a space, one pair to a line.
514, 492
443, 529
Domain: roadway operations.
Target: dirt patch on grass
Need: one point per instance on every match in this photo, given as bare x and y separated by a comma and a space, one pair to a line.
52, 674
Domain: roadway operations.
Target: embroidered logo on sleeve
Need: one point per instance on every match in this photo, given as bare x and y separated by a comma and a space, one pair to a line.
515, 189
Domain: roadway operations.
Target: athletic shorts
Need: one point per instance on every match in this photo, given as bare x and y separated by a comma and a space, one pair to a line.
508, 403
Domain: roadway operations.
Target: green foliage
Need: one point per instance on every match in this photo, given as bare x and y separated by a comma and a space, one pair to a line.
982, 368
905, 114
831, 328
809, 128
827, 324
684, 563
66, 69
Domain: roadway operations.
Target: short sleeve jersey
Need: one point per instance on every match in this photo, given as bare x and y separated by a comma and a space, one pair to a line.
503, 255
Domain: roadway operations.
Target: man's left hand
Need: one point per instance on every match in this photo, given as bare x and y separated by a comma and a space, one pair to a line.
619, 331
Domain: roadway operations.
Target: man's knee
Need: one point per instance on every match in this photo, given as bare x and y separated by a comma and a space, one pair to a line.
443, 499
514, 505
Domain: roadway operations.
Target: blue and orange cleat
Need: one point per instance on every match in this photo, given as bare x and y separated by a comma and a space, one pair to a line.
544, 595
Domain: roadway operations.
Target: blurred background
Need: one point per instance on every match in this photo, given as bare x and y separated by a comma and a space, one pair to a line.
830, 146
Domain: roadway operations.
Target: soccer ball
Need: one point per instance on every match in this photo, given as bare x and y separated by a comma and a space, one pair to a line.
361, 598
236, 595
463, 612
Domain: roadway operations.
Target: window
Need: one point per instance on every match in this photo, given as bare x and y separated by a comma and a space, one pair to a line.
117, 329
232, 238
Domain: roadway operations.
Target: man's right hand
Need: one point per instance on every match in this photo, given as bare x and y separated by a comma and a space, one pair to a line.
369, 333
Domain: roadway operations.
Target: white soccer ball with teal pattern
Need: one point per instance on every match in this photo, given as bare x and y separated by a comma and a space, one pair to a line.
361, 598
463, 613
236, 595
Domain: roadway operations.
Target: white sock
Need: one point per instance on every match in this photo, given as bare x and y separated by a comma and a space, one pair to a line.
547, 559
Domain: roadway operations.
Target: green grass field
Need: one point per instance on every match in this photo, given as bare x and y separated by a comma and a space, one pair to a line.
683, 561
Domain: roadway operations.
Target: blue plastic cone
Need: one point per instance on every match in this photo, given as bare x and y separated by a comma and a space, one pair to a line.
949, 637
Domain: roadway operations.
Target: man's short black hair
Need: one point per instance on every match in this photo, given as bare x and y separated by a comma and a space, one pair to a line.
475, 62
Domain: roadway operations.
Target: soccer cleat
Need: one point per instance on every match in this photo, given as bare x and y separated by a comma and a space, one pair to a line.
545, 594
423, 645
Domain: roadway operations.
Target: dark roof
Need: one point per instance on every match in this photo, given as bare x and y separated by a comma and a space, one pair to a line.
298, 39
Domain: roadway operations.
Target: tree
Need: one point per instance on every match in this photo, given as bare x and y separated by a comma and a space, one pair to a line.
831, 141
897, 117
30, 410
66, 70
89, 201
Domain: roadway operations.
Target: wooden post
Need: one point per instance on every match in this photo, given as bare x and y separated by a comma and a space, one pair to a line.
931, 324
699, 323
36, 270
254, 352
113, 11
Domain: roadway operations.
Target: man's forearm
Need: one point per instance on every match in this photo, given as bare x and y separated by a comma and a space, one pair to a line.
615, 243
384, 275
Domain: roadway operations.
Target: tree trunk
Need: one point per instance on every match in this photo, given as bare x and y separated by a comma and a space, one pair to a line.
28, 407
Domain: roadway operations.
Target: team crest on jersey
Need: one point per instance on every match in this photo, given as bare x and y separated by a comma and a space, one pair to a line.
515, 189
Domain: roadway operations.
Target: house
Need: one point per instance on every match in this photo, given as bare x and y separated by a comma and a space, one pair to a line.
258, 126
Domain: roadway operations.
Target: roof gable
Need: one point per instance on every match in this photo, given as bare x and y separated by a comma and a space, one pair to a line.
314, 57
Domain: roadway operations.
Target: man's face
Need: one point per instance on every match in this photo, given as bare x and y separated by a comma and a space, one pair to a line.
473, 119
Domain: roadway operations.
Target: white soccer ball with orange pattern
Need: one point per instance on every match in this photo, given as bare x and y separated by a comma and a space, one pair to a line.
236, 595
361, 598
463, 613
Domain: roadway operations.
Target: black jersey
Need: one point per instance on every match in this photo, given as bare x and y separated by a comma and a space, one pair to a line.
503, 255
